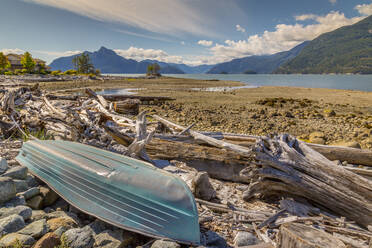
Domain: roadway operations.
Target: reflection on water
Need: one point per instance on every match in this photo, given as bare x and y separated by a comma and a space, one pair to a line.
126, 91
220, 89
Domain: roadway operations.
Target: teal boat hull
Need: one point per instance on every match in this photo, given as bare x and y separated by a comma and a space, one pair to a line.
122, 191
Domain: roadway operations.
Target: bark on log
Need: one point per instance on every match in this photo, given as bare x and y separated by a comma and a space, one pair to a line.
288, 166
218, 163
302, 236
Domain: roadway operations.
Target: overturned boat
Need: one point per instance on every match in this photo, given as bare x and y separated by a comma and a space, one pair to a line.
122, 191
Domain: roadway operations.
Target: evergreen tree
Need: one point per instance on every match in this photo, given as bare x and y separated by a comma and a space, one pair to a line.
83, 64
28, 63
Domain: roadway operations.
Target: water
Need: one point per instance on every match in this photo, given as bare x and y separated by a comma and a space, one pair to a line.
346, 82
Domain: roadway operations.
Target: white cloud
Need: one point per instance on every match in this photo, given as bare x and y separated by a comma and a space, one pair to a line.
283, 38
12, 50
140, 54
183, 43
161, 16
240, 28
58, 54
364, 9
333, 1
206, 43
306, 17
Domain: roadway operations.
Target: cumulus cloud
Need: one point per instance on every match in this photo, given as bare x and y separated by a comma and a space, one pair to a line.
305, 17
364, 9
206, 43
240, 28
140, 54
283, 38
12, 50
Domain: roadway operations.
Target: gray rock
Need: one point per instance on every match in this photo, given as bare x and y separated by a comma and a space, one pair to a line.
213, 239
60, 231
28, 194
31, 181
23, 211
98, 226
245, 239
50, 197
21, 185
202, 188
16, 201
11, 239
38, 215
3, 165
165, 244
108, 239
36, 229
79, 238
7, 189
17, 172
35, 202
11, 224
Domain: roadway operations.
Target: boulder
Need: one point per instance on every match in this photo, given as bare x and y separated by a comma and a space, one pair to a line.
211, 238
16, 201
107, 239
23, 211
28, 194
11, 224
35, 202
7, 189
202, 188
49, 240
79, 238
66, 222
21, 185
17, 172
13, 239
165, 244
245, 239
36, 229
3, 165
31, 181
50, 197
38, 215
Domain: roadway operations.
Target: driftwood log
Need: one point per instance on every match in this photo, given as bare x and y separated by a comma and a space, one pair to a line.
302, 236
286, 165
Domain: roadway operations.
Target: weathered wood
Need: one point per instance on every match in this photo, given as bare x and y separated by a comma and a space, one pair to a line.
218, 163
211, 141
296, 235
101, 99
288, 166
129, 106
62, 97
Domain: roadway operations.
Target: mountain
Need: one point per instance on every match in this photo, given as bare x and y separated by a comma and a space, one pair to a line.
200, 69
345, 50
257, 64
107, 61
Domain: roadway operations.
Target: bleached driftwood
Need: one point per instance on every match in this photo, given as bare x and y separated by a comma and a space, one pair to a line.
296, 235
288, 166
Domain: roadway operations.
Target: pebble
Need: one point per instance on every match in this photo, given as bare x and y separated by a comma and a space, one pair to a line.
13, 238
23, 211
11, 224
17, 172
7, 189
36, 229
79, 238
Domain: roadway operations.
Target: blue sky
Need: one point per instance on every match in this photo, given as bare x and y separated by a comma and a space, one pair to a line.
181, 31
